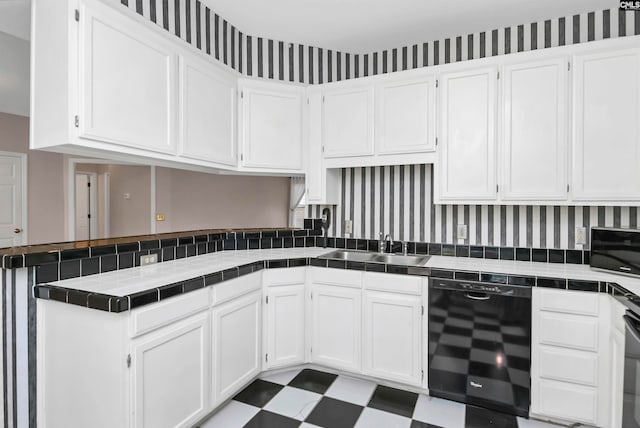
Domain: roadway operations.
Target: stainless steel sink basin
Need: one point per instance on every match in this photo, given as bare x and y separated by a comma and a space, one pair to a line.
363, 256
398, 259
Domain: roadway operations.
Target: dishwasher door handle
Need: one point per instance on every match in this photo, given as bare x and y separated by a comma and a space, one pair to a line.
482, 296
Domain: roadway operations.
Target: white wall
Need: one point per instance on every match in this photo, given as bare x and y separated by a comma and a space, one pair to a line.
14, 75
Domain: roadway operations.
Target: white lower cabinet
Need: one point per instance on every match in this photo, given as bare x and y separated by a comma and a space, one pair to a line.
616, 355
336, 327
236, 344
170, 372
393, 336
569, 356
284, 320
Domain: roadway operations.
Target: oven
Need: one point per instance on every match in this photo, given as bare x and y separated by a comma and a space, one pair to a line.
631, 384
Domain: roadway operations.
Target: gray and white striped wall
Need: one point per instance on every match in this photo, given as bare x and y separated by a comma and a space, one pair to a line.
257, 56
399, 200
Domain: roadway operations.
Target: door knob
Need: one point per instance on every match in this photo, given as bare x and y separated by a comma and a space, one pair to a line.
17, 230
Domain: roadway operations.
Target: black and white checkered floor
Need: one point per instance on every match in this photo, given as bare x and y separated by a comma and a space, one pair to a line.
309, 398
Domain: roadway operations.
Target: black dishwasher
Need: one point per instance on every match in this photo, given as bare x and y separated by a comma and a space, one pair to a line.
480, 344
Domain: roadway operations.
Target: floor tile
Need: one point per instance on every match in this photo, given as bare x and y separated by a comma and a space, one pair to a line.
372, 418
436, 411
234, 414
282, 378
313, 380
532, 423
293, 402
265, 419
332, 413
477, 417
418, 424
393, 400
308, 425
258, 393
352, 390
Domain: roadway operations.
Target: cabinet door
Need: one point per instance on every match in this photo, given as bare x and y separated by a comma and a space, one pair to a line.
534, 130
271, 126
336, 326
236, 344
170, 374
127, 82
392, 336
467, 126
207, 112
405, 116
606, 125
285, 326
347, 121
616, 376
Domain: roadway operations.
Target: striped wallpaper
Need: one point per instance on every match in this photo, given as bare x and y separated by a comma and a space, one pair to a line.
250, 55
399, 200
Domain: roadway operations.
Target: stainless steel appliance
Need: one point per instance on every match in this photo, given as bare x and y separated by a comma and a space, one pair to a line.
631, 385
480, 344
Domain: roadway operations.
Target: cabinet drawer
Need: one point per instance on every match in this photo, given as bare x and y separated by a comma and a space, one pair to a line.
289, 276
568, 365
167, 311
393, 283
231, 289
567, 401
575, 302
340, 277
571, 331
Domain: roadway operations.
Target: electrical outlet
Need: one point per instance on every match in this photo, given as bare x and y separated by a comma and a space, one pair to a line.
160, 217
461, 233
148, 260
581, 235
348, 226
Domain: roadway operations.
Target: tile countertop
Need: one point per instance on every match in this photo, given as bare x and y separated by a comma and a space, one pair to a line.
127, 281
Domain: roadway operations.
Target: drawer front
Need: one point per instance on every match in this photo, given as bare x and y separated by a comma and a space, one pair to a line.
571, 331
229, 290
567, 401
339, 277
289, 276
150, 317
568, 365
575, 302
393, 283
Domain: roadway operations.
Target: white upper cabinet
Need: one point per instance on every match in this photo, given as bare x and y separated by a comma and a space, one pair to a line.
271, 125
127, 79
405, 115
606, 126
534, 142
347, 120
207, 112
466, 169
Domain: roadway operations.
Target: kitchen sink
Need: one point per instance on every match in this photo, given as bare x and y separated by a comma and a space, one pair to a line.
363, 256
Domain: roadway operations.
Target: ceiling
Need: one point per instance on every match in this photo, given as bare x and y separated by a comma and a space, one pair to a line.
360, 26
15, 18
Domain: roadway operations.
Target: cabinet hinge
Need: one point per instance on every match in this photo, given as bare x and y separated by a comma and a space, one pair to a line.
241, 94
267, 300
311, 296
311, 350
77, 15
567, 188
266, 358
568, 66
422, 310
241, 157
422, 374
128, 360
322, 149
497, 187
436, 141
436, 83
498, 75
307, 100
76, 121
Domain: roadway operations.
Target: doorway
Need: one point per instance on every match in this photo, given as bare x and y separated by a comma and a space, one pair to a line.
86, 206
13, 199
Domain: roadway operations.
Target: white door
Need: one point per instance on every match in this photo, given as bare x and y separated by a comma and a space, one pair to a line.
393, 337
207, 114
12, 199
86, 206
271, 125
170, 374
405, 116
535, 114
606, 126
284, 332
336, 327
127, 81
236, 344
468, 130
347, 120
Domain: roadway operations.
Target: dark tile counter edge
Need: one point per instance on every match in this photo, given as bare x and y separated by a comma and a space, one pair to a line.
117, 304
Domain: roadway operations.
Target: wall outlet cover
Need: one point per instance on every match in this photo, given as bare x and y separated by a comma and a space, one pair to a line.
581, 235
160, 217
148, 259
461, 232
348, 226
